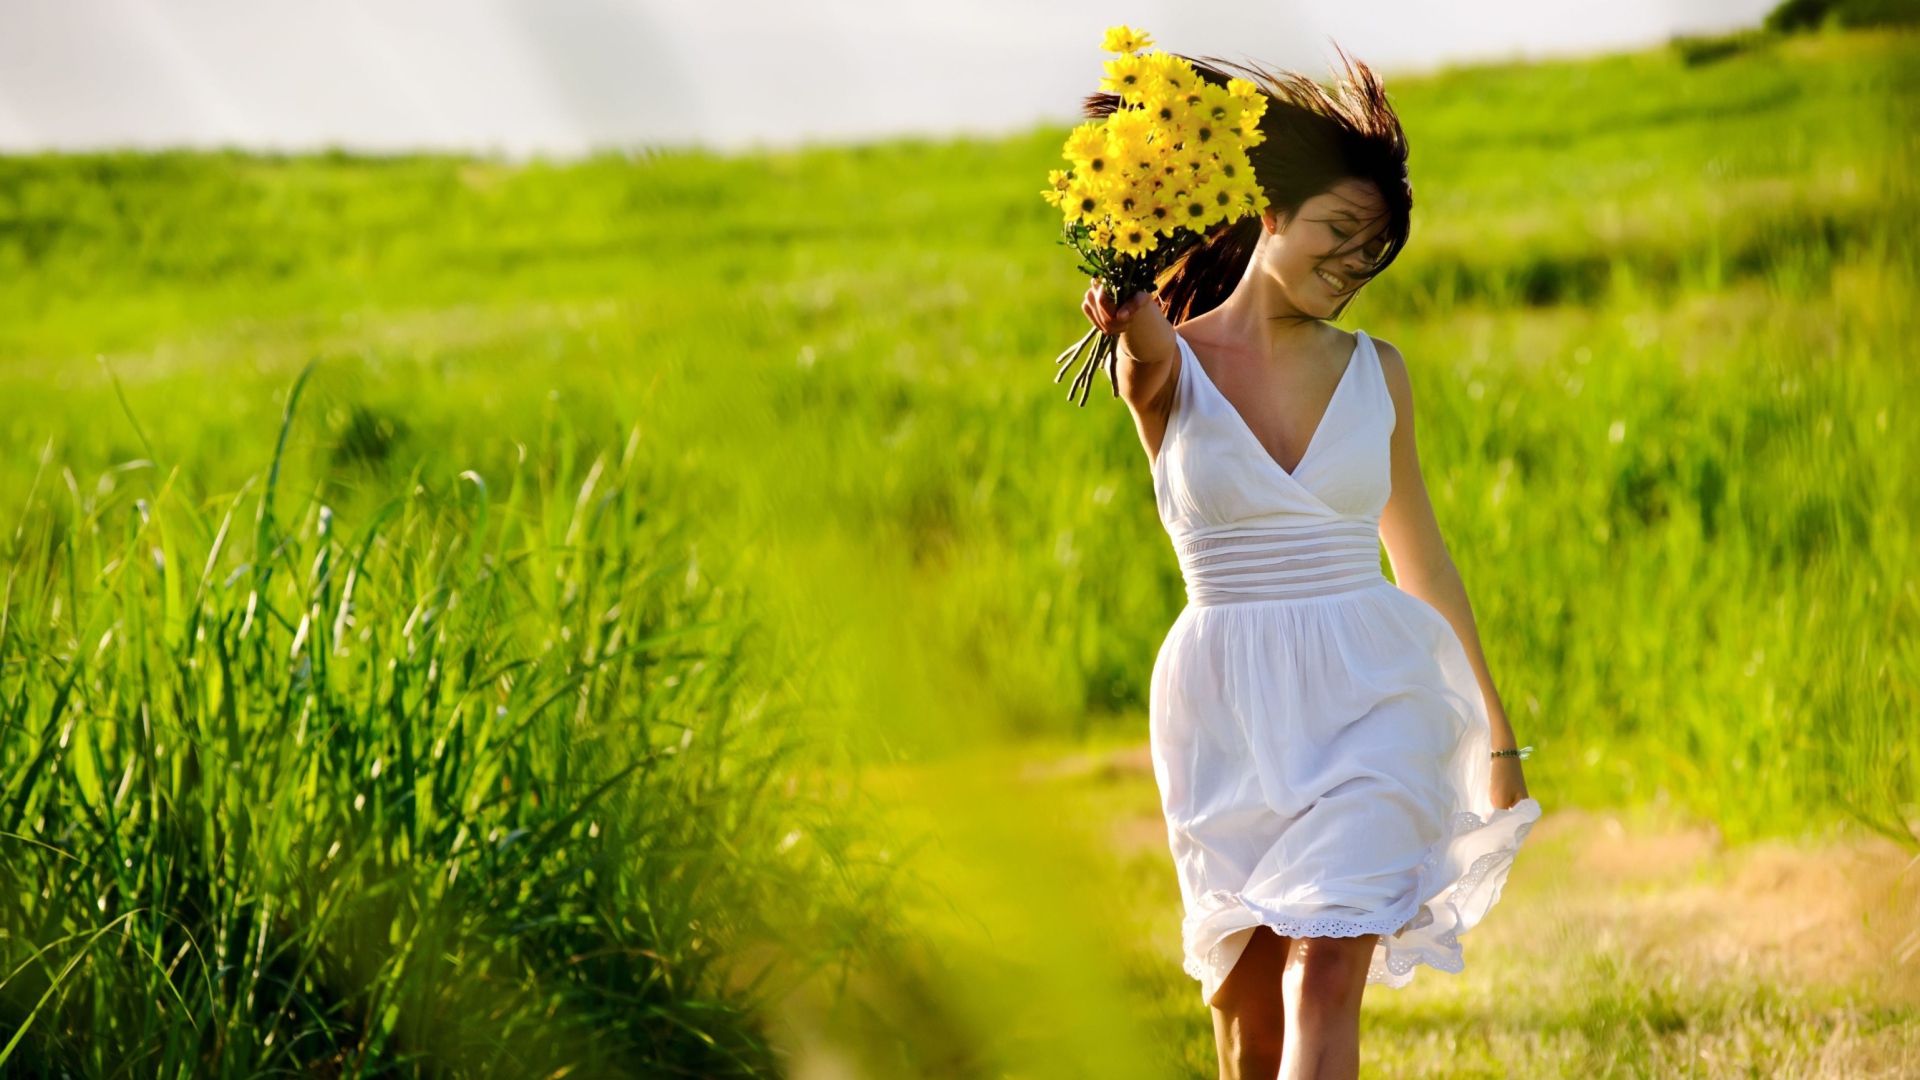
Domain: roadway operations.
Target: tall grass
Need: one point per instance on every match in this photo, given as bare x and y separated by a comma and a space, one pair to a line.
468, 787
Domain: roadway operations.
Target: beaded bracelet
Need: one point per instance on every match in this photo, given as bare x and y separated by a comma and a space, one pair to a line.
1523, 752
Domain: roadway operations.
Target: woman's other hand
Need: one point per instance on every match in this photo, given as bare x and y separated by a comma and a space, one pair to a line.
1508, 784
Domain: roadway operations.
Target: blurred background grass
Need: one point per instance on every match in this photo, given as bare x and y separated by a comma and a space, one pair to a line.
1658, 312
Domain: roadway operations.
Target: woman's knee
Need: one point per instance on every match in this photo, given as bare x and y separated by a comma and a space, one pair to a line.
1332, 971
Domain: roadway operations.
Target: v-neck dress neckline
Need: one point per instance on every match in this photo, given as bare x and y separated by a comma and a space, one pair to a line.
1340, 385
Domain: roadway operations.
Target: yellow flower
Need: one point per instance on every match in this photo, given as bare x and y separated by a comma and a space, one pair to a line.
1250, 133
1220, 203
1085, 199
1163, 111
1127, 75
1124, 202
1161, 217
1170, 71
1231, 165
1057, 179
1193, 209
1125, 39
1245, 89
1188, 165
1219, 106
1133, 162
1132, 237
1174, 174
1203, 134
1087, 149
1088, 138
1128, 131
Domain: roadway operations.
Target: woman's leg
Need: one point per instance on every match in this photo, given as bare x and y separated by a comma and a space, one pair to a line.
1324, 980
1249, 1010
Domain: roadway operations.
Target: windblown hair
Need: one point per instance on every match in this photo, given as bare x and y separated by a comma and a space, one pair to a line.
1315, 137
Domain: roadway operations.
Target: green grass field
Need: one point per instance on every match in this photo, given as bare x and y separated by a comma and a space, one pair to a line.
702, 533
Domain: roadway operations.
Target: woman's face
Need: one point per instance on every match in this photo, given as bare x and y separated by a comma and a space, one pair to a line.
1319, 256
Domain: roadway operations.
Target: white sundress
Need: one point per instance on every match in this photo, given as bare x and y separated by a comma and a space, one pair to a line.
1318, 736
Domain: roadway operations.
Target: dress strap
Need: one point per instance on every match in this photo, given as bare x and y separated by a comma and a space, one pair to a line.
1187, 358
1180, 376
1182, 395
1377, 375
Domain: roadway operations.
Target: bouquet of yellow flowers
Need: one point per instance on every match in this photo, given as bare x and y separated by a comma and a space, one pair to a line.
1150, 179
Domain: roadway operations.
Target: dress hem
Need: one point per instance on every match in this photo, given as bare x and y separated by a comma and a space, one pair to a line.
1426, 931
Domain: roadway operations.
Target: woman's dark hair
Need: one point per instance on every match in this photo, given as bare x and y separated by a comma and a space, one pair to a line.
1315, 138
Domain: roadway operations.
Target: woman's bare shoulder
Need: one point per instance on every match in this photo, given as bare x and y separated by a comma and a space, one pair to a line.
1393, 365
1198, 330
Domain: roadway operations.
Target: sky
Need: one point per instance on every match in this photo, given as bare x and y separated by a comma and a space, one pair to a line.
565, 77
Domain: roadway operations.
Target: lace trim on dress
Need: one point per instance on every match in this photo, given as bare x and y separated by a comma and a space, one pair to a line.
1303, 928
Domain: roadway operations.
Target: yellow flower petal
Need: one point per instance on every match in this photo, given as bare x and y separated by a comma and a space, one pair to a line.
1129, 127
1086, 141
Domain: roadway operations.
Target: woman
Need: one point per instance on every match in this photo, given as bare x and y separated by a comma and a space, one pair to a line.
1341, 785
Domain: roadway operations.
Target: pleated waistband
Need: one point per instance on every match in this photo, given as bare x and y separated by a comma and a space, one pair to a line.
1292, 563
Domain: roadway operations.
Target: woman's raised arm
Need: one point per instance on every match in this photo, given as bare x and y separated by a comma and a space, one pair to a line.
1149, 358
